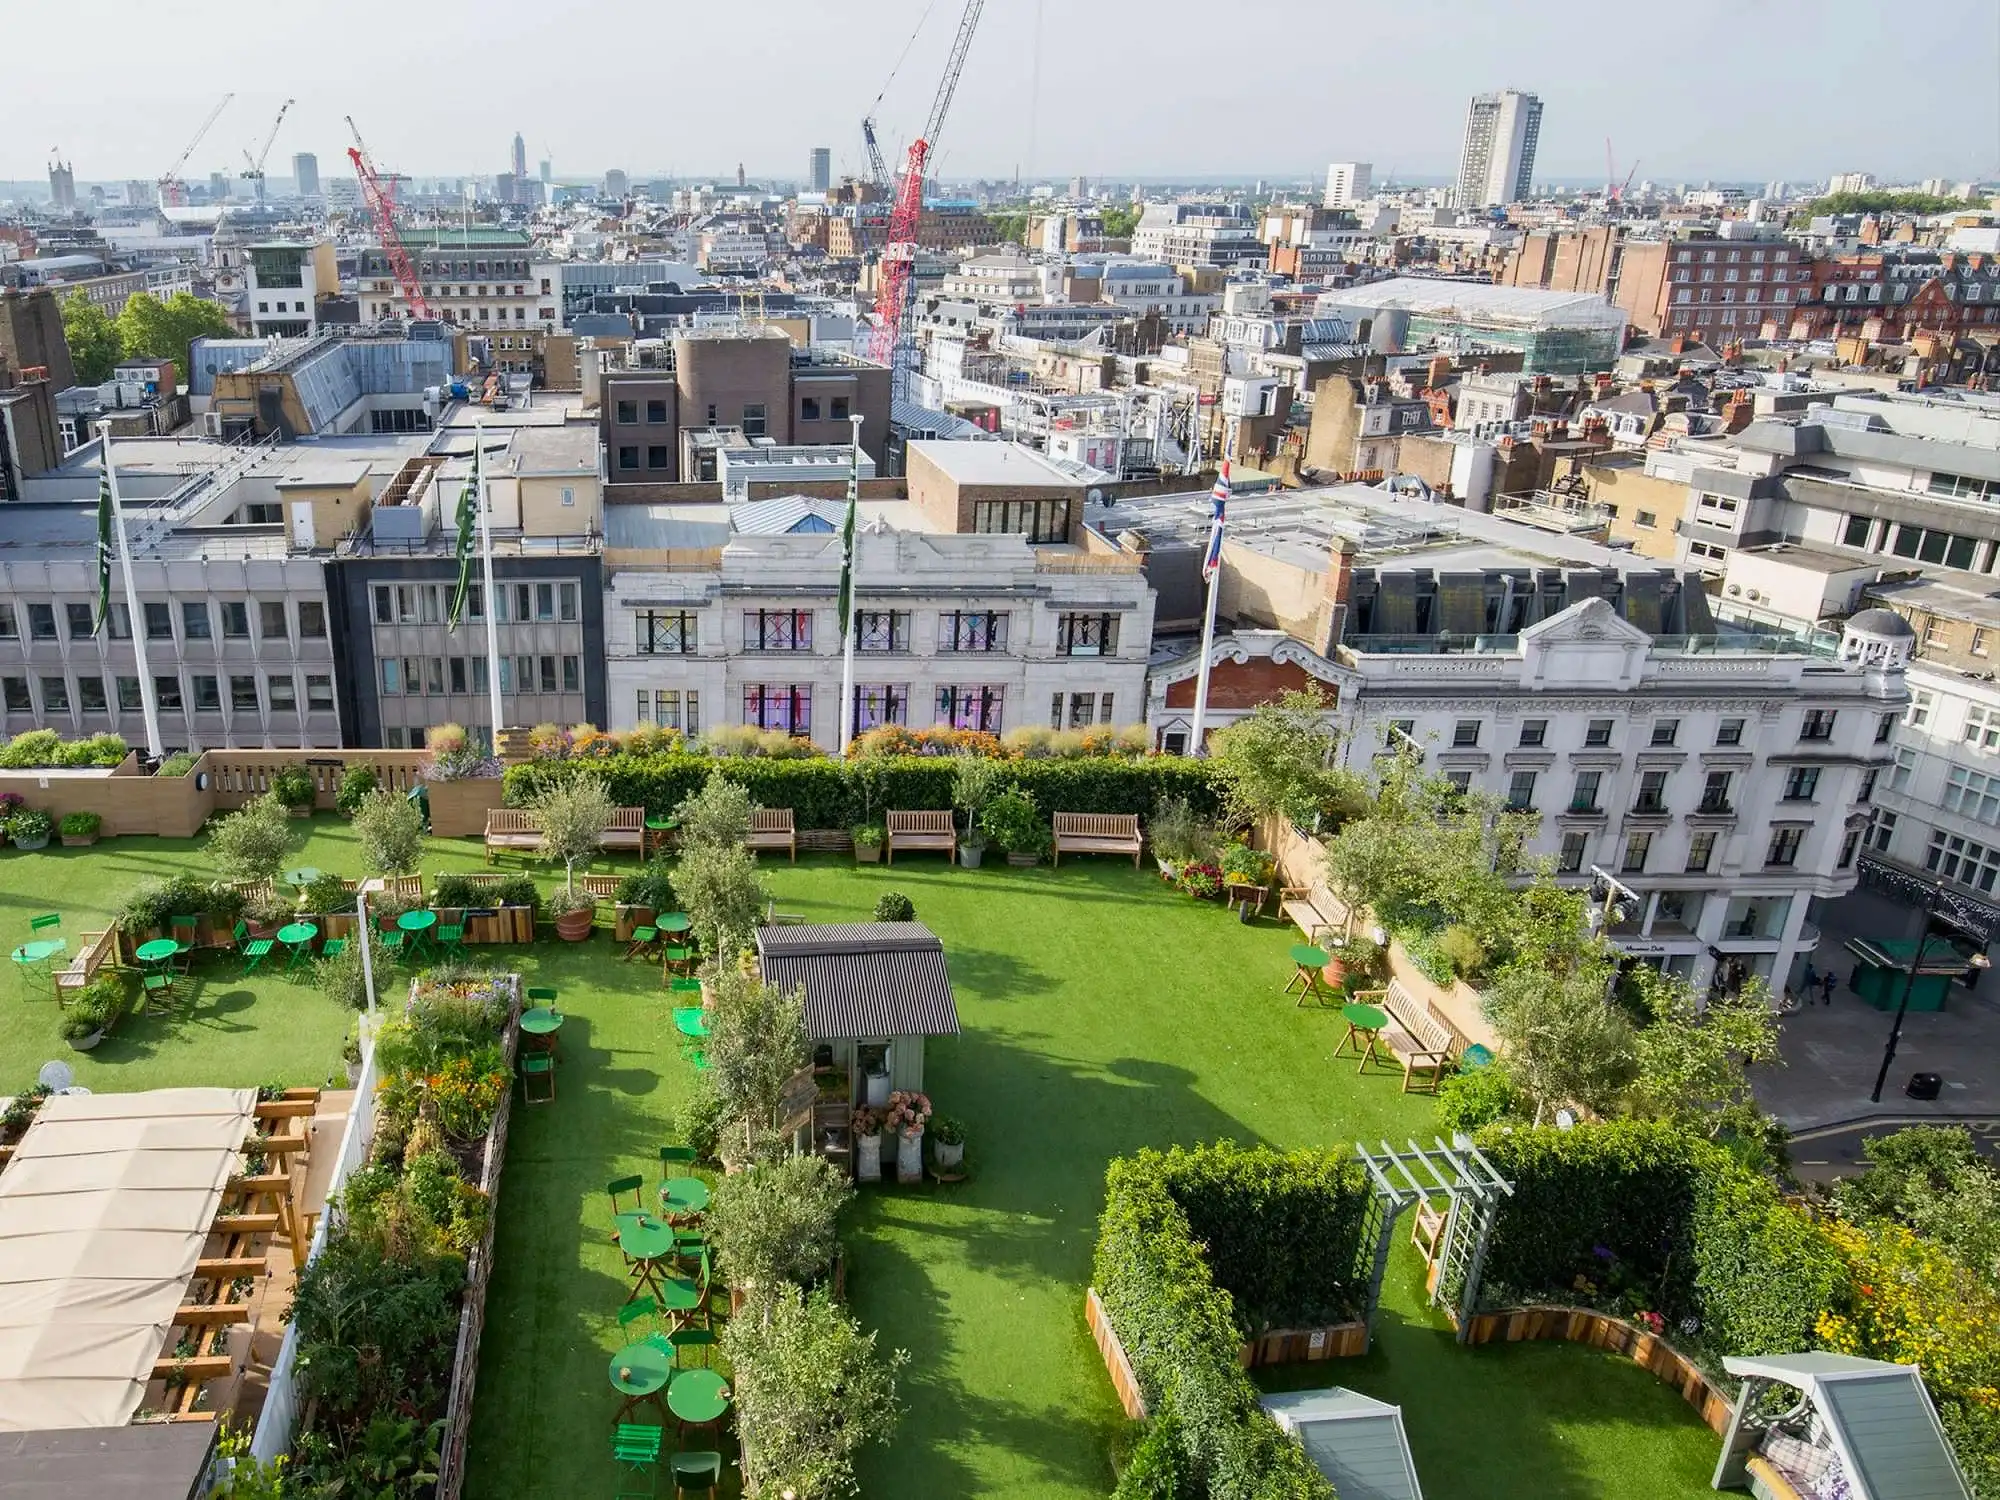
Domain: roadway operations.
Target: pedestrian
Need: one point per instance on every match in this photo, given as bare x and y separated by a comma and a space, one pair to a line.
1826, 988
1812, 977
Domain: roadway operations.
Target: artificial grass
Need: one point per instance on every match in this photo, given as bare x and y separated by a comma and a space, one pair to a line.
1102, 1012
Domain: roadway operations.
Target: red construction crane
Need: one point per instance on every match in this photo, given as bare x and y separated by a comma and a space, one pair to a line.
900, 253
383, 208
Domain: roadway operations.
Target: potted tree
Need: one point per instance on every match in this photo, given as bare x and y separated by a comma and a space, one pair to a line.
79, 830
868, 839
573, 817
251, 844
92, 1013
30, 828
390, 829
293, 787
974, 782
1012, 821
947, 1143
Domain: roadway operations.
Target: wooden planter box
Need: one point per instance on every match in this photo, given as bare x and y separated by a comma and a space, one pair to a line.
334, 924
1293, 1346
478, 1272
1123, 1381
629, 917
510, 924
459, 808
206, 935
1582, 1325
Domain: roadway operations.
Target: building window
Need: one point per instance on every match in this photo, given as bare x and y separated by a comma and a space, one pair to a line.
1637, 847
1968, 793
661, 634
312, 620
628, 456
1881, 828
666, 711
1082, 710
970, 708
1800, 783
1521, 792
1848, 846
1583, 798
777, 630
1087, 634
455, 674
319, 692
1701, 849
82, 623
876, 704
1817, 724
194, 619
284, 692
566, 601
1784, 850
159, 621
1955, 858
90, 695
972, 630
10, 625
207, 693
1597, 732
392, 677
1041, 521
787, 708
1715, 793
55, 695
545, 601
548, 673
130, 698
572, 674
1533, 732
235, 620
808, 408
755, 420
1574, 846
839, 406
1665, 731
1465, 734
882, 630
628, 412
271, 620
1652, 792
167, 692
659, 456
1982, 727
41, 622
656, 412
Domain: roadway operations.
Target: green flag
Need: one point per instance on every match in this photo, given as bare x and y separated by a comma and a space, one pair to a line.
105, 522
468, 519
847, 545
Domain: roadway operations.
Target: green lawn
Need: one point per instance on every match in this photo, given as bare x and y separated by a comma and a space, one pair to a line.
1102, 1012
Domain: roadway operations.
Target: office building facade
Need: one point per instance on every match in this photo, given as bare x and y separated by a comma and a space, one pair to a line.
1496, 165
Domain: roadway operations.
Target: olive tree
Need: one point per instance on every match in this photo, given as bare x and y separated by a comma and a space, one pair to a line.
722, 893
391, 831
1281, 760
573, 815
777, 1221
756, 1043
253, 842
717, 814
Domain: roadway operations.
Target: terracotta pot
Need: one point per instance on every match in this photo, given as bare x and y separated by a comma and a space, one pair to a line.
1335, 972
575, 926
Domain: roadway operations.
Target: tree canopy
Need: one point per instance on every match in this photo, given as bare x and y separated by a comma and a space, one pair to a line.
151, 329
94, 345
1279, 759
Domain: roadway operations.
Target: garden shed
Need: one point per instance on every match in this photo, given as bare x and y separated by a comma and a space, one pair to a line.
1860, 1428
1355, 1440
874, 991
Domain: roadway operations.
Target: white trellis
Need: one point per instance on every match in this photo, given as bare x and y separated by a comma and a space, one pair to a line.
1472, 1187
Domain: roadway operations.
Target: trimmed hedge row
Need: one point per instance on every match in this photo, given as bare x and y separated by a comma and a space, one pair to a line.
1650, 1214
1179, 1324
836, 794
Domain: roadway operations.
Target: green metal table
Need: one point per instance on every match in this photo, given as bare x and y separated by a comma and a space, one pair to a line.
639, 1372
44, 951
158, 951
302, 877
683, 1195
646, 1241
417, 925
1364, 1031
541, 1022
699, 1398
672, 921
298, 937
1308, 960
691, 1021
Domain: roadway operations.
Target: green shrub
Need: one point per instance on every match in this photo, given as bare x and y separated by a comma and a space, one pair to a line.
293, 786
31, 823
36, 747
894, 906
253, 842
80, 825
465, 890
179, 763
355, 783
154, 904
1154, 1470
1013, 822
1179, 1329
1461, 948
96, 1009
717, 814
652, 887
327, 894
1470, 1100
390, 830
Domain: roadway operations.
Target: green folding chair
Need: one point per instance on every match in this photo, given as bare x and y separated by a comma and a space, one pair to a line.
182, 930
449, 935
696, 1473
332, 947
161, 984
48, 922
644, 940
540, 996
389, 937
637, 1310
692, 1346
253, 950
617, 1188
680, 958
635, 1447
537, 1065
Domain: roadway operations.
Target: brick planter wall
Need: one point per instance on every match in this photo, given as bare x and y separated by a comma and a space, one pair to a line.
1577, 1325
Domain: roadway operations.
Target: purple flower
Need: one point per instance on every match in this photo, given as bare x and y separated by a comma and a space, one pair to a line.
1603, 1252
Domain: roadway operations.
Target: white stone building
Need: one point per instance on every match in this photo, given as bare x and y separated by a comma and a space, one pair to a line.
711, 621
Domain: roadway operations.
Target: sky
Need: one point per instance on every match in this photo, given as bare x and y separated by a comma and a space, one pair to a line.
1730, 90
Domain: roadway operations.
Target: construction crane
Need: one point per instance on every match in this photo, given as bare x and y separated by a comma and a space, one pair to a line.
254, 165
878, 169
384, 210
1614, 191
899, 255
173, 192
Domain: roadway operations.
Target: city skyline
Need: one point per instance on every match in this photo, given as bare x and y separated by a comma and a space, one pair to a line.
1686, 115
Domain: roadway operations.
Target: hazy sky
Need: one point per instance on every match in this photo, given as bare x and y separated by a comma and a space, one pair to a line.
1730, 89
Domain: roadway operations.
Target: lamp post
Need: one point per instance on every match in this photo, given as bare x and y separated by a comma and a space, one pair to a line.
1936, 923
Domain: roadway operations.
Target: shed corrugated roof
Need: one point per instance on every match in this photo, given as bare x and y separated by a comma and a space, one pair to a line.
864, 979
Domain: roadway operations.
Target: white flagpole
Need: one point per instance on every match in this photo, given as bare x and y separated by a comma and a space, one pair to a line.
135, 617
847, 626
492, 594
1195, 741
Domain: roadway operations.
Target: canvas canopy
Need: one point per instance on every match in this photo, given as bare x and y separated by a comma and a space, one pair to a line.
104, 1211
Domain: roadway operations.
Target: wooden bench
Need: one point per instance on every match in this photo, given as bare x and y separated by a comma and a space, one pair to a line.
511, 828
1423, 1041
922, 830
772, 828
1098, 833
1314, 910
99, 949
626, 830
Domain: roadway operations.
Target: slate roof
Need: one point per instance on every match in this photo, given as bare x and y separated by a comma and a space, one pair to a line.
863, 979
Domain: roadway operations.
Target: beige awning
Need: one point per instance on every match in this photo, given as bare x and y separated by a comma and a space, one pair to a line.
104, 1211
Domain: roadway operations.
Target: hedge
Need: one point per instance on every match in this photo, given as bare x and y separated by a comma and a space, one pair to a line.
832, 794
1180, 1327
1645, 1217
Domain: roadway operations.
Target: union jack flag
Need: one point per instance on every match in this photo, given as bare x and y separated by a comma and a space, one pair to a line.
1212, 561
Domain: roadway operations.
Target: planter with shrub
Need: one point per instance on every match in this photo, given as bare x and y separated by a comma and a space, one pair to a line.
641, 898
80, 830
868, 840
293, 786
513, 901
94, 1012
149, 912
356, 782
1201, 880
575, 913
947, 1143
1012, 821
38, 749
30, 828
